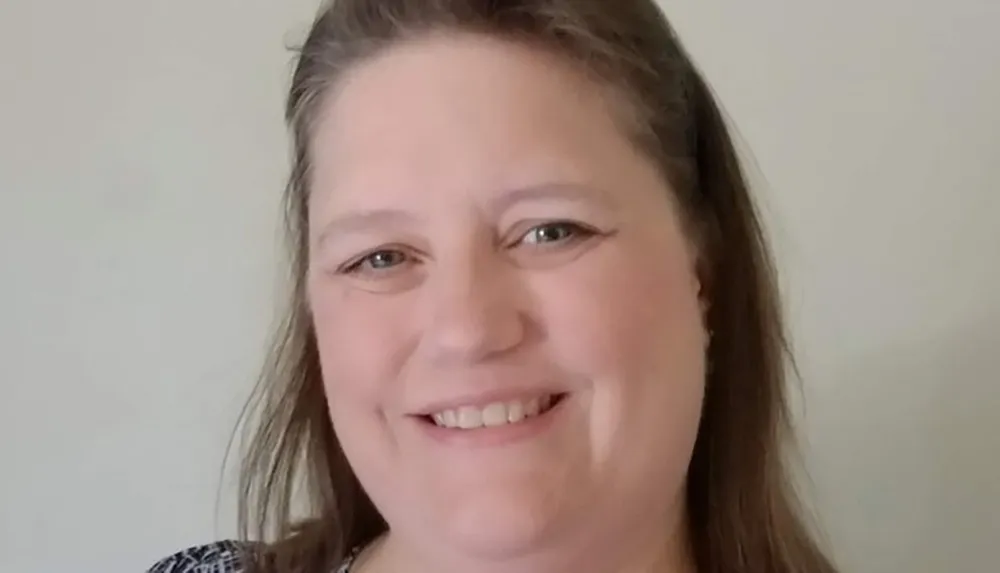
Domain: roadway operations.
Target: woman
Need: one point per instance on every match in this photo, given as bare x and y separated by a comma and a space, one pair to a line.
534, 324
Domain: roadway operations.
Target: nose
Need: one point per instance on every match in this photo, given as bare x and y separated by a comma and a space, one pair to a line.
474, 311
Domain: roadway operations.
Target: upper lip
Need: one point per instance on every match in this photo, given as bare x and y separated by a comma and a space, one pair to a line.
483, 398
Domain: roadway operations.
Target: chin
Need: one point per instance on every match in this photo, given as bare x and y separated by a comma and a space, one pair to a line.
501, 525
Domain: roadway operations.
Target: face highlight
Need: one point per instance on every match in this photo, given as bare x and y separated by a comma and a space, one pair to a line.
505, 302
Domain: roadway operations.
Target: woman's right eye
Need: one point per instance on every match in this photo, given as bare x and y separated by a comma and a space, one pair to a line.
377, 262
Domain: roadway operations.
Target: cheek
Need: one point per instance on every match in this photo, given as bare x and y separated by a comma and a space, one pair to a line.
633, 327
359, 339
631, 313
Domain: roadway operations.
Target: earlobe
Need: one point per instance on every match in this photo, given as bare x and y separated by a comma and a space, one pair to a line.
703, 301
704, 305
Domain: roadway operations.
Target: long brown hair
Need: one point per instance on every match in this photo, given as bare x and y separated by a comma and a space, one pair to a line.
743, 514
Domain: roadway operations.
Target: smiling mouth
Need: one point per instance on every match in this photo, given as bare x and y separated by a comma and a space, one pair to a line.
494, 414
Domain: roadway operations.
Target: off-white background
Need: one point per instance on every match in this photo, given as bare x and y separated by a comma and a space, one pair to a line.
141, 158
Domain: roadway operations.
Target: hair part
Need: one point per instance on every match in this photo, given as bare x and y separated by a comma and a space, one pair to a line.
742, 509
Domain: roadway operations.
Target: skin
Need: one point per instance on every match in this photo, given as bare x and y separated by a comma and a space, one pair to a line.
480, 223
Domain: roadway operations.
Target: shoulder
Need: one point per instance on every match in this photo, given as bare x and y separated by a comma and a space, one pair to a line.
219, 557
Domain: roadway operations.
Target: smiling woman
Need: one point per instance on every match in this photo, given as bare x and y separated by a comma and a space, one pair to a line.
534, 327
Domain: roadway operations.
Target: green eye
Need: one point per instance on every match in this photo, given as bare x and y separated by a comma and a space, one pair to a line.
385, 259
553, 233
377, 261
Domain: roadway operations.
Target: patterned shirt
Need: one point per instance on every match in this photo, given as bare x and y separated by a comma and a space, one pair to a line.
220, 557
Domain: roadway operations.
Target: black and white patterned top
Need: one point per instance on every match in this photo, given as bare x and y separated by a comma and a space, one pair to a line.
221, 557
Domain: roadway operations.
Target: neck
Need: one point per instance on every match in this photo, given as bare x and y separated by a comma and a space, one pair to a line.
649, 550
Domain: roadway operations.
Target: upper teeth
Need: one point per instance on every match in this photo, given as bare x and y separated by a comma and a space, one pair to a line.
495, 414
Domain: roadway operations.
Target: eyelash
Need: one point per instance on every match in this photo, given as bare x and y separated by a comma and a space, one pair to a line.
577, 232
354, 266
574, 232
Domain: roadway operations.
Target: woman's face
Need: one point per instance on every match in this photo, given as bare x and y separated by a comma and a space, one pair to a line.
506, 308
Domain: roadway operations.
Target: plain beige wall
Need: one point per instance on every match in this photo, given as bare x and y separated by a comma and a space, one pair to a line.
141, 157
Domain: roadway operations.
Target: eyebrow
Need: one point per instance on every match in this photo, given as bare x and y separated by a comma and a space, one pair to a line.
576, 192
391, 217
362, 220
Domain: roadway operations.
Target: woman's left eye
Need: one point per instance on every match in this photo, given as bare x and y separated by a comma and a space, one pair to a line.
556, 232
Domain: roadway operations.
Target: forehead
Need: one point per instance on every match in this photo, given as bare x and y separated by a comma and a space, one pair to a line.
462, 112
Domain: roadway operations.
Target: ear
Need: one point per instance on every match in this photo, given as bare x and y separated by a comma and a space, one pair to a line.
705, 305
702, 295
701, 282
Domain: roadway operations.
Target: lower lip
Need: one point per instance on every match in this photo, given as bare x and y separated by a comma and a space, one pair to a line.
493, 436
